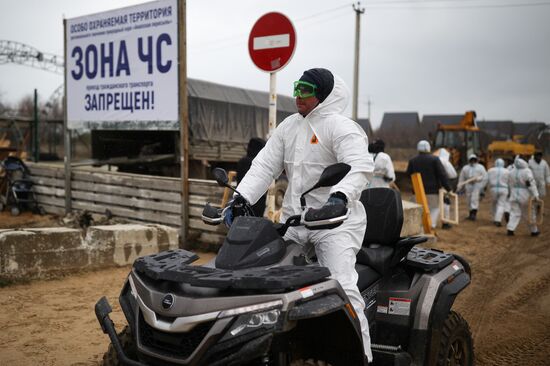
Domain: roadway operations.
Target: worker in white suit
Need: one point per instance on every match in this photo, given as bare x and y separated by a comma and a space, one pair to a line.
473, 178
304, 144
384, 172
498, 186
522, 187
541, 172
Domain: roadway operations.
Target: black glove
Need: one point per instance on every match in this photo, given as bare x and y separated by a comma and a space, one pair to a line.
337, 198
235, 207
335, 207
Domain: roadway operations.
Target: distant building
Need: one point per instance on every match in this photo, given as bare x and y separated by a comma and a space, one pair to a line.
497, 130
430, 122
528, 132
400, 129
365, 124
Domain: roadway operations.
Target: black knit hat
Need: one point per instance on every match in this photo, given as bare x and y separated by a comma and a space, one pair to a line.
322, 78
377, 146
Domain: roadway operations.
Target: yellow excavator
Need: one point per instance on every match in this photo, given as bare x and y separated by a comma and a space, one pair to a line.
509, 149
461, 140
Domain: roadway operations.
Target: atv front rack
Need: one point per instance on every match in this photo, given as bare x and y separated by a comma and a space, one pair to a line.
174, 266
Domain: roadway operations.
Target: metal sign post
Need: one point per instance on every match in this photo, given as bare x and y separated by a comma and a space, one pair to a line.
271, 45
272, 125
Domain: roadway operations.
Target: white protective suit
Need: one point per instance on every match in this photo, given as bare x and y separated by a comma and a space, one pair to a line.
304, 147
384, 173
450, 170
507, 204
474, 188
541, 173
522, 187
498, 185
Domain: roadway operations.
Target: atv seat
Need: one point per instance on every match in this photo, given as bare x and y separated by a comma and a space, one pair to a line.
383, 247
367, 276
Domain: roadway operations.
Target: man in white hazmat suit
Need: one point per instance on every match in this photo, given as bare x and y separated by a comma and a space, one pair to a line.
476, 175
541, 172
509, 166
522, 187
304, 144
450, 170
498, 186
384, 173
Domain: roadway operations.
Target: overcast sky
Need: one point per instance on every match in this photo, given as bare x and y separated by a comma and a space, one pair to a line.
430, 57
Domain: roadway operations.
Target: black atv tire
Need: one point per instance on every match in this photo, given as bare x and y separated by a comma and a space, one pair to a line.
456, 346
110, 357
309, 362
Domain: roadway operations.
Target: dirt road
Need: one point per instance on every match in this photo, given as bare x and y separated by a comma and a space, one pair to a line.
507, 305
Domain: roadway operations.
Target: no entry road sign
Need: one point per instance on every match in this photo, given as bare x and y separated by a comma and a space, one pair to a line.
272, 42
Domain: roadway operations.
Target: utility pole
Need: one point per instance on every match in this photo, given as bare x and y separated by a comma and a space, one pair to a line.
368, 105
35, 140
358, 11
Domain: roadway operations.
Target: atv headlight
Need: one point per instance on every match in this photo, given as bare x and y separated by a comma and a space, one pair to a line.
251, 308
248, 322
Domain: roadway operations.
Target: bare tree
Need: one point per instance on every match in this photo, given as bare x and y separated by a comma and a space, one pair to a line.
4, 106
25, 106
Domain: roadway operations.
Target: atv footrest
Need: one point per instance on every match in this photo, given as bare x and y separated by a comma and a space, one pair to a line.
390, 356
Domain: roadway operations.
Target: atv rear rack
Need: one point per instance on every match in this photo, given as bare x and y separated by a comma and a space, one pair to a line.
174, 266
428, 259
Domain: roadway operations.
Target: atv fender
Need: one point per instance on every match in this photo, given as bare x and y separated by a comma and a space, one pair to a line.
327, 328
424, 340
441, 309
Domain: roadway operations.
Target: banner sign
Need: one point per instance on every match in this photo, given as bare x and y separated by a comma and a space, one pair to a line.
122, 66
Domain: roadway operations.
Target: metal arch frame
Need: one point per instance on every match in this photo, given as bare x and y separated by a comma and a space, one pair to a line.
23, 54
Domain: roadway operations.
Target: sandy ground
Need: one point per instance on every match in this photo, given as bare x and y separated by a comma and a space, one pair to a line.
27, 219
507, 305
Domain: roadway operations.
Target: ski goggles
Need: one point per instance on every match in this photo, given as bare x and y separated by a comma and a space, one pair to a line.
303, 89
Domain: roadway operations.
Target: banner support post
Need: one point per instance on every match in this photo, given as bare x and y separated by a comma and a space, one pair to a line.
66, 130
184, 121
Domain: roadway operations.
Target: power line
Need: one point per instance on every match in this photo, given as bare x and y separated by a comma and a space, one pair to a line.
375, 5
331, 11
408, 2
323, 12
431, 6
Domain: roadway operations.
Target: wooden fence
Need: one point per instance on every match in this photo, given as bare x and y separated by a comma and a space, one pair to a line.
139, 198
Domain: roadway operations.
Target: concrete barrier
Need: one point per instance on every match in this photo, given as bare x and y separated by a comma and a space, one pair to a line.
412, 219
35, 253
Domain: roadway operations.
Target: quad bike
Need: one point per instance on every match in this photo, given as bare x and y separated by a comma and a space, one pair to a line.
264, 301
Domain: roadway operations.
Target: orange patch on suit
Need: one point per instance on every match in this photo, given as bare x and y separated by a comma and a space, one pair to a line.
314, 140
